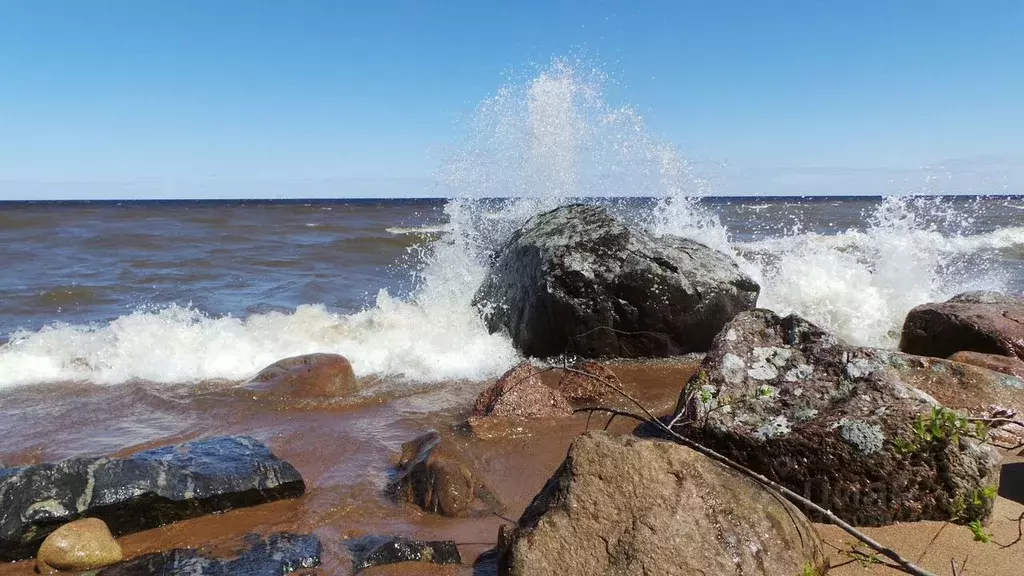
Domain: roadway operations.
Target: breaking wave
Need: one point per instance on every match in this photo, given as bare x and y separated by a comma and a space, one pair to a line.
537, 143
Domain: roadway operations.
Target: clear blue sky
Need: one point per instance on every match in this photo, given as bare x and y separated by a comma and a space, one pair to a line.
251, 97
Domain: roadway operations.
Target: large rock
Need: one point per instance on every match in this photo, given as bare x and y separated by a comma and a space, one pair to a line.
1005, 364
373, 551
976, 321
142, 491
84, 544
838, 424
430, 474
519, 393
281, 553
309, 376
577, 280
621, 506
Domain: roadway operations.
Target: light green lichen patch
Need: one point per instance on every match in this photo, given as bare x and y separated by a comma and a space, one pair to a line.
733, 368
859, 368
778, 426
805, 414
866, 438
801, 372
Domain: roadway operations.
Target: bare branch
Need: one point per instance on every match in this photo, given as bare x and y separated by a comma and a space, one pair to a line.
904, 564
1020, 532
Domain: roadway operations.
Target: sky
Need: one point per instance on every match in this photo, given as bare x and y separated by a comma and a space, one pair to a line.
251, 98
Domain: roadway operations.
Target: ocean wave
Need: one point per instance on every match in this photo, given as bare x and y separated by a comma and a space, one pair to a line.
180, 344
421, 230
542, 143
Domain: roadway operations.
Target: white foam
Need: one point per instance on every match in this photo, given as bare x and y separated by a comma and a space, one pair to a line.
540, 142
404, 230
180, 344
861, 284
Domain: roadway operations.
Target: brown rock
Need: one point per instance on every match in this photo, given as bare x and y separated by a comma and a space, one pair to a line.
994, 362
84, 544
519, 393
310, 376
619, 505
836, 423
430, 474
985, 322
488, 428
584, 382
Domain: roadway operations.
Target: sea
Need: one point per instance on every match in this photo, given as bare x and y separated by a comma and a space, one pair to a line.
186, 291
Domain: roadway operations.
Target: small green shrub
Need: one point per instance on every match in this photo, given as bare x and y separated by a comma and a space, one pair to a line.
980, 535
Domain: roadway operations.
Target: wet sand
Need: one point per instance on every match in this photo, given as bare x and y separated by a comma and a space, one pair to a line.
343, 450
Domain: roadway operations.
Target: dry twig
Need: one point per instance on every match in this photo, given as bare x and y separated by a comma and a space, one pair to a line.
650, 419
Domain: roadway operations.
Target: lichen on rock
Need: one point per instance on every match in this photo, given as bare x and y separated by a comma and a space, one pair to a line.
828, 419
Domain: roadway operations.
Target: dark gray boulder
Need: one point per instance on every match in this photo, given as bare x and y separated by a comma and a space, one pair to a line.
577, 280
986, 322
142, 491
276, 555
371, 551
839, 424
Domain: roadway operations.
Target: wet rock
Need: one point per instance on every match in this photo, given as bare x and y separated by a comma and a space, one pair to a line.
1005, 364
622, 505
487, 428
519, 393
381, 550
584, 382
142, 491
431, 475
577, 280
84, 544
985, 322
278, 554
308, 376
839, 424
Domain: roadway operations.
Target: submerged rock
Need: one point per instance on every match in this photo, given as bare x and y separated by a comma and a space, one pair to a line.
620, 505
308, 376
588, 381
430, 474
837, 424
985, 322
373, 551
278, 554
142, 491
577, 280
519, 393
84, 544
1005, 364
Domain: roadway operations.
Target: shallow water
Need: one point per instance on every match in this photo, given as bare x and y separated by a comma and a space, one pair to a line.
125, 325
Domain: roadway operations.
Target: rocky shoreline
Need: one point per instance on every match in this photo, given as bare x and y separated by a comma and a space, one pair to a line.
883, 439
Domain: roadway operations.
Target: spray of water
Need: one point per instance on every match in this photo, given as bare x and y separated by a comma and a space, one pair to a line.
536, 144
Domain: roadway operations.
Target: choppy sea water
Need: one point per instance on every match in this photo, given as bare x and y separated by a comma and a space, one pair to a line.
113, 292
109, 292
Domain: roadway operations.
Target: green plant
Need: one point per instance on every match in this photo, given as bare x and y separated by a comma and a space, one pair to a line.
940, 425
904, 446
706, 396
974, 506
980, 535
809, 569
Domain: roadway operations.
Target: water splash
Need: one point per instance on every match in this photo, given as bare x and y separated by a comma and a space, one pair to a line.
539, 143
861, 283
